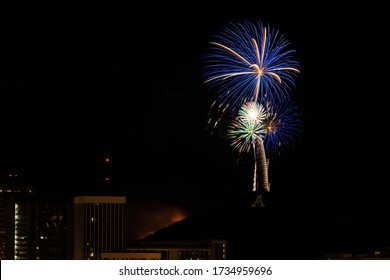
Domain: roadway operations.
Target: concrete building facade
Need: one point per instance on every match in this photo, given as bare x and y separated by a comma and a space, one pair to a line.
98, 226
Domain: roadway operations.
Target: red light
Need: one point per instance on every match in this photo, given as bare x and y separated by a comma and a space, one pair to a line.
107, 179
107, 159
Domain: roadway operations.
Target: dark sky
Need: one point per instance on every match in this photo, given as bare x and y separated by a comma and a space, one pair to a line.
78, 84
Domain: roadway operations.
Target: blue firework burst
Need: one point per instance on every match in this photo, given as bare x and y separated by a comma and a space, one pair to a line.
249, 62
282, 125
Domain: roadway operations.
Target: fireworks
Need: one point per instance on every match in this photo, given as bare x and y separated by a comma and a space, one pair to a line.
248, 128
253, 72
277, 125
247, 132
249, 62
282, 125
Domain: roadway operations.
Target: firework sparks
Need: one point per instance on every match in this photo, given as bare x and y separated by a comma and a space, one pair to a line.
253, 72
247, 132
248, 127
249, 62
244, 133
282, 125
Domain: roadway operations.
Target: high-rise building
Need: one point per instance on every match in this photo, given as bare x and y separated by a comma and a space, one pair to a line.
17, 222
98, 225
32, 225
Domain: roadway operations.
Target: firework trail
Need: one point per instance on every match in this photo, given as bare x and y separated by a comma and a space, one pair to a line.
247, 132
282, 125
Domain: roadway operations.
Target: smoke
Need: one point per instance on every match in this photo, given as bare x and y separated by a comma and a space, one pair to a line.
146, 217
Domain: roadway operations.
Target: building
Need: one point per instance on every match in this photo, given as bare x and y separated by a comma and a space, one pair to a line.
98, 226
17, 222
54, 228
33, 226
200, 250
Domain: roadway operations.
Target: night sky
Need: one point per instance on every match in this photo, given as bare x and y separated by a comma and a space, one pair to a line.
78, 85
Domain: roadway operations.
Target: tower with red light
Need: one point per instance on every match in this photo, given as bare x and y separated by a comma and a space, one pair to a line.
107, 175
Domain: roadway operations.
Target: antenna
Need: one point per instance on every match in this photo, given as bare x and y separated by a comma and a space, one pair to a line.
107, 175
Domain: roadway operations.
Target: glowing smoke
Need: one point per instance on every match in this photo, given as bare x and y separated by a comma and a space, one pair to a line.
146, 217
